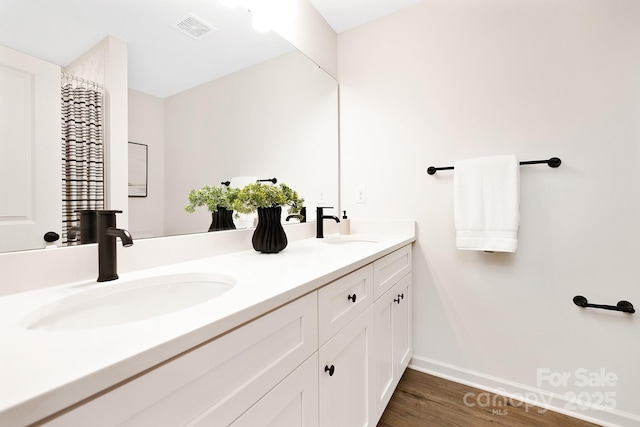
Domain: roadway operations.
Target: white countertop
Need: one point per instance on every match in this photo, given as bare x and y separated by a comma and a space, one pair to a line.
42, 372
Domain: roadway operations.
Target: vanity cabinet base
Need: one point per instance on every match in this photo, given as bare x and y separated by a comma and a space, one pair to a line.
218, 381
330, 358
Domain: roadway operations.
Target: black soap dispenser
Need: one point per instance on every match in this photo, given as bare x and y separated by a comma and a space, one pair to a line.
345, 224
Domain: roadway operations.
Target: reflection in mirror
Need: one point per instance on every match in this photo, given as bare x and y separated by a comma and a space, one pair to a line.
234, 103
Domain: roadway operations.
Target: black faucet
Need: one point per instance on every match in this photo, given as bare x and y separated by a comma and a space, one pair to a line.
107, 233
87, 228
302, 216
319, 217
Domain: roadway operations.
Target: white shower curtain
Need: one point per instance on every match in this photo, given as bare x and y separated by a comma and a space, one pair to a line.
82, 151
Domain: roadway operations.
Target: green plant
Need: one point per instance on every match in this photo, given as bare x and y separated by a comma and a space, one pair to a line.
213, 197
258, 195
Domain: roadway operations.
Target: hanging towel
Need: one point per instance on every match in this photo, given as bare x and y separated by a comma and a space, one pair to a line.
486, 203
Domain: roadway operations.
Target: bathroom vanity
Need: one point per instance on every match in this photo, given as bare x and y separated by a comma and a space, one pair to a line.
316, 335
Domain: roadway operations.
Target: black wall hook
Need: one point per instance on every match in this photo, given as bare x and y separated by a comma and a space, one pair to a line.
624, 306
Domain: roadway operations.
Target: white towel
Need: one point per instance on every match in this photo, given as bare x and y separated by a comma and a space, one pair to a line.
486, 203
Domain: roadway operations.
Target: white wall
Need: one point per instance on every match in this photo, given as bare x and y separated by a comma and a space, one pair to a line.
146, 126
275, 119
453, 79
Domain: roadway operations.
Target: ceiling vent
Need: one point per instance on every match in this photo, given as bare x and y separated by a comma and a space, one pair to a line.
195, 27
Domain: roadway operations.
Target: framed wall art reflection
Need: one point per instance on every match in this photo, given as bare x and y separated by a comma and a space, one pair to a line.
138, 169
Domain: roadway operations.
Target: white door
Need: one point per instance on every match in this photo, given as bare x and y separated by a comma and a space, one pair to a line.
402, 330
292, 403
346, 376
392, 339
30, 150
384, 347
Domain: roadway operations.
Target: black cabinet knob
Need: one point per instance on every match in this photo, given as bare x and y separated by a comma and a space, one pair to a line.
401, 296
397, 300
352, 297
331, 369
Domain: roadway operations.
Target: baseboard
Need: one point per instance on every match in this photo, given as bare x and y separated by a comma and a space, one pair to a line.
525, 394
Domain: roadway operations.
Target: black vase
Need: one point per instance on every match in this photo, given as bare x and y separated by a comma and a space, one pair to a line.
269, 236
222, 220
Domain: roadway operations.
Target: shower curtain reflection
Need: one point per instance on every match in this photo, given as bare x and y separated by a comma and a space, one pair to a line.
82, 151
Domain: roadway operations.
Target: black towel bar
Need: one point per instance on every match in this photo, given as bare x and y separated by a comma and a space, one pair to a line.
553, 162
624, 306
273, 180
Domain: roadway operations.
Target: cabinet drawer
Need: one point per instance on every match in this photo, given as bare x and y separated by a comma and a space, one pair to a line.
389, 269
221, 379
343, 300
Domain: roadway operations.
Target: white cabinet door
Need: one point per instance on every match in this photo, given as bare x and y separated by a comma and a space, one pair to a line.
292, 403
30, 166
402, 325
392, 340
383, 344
346, 376
217, 381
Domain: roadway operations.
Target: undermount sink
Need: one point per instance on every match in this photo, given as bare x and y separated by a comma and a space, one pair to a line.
343, 240
125, 301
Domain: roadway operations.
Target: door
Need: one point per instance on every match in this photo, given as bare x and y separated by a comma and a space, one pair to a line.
292, 403
30, 163
392, 340
346, 376
384, 347
402, 331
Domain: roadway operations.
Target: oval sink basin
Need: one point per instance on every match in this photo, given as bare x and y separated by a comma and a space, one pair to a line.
125, 301
343, 240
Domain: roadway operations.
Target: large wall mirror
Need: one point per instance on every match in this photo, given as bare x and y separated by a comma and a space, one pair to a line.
232, 103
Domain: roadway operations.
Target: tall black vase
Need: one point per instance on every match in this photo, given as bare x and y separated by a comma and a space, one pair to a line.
269, 236
222, 220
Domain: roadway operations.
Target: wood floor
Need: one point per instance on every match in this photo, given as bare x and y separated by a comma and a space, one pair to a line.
422, 400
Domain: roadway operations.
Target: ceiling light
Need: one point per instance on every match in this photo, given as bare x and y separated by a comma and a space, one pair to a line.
267, 14
230, 3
